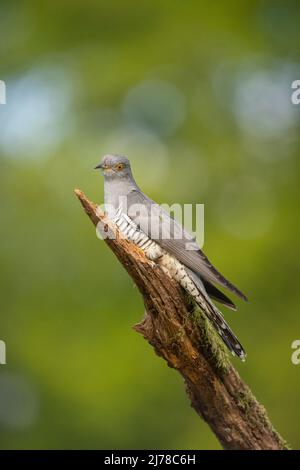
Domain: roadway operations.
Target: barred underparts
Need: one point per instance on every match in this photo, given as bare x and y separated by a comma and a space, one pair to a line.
177, 271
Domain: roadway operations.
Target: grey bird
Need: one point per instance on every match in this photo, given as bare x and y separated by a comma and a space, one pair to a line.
165, 241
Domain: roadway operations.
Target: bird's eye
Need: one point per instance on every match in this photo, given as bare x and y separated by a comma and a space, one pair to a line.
120, 166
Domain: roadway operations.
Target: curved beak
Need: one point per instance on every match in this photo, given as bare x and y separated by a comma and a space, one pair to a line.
98, 167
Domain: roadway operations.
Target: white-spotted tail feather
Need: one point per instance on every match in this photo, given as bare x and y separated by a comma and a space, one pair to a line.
176, 270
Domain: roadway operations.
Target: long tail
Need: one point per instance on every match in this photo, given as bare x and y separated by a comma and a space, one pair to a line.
217, 320
191, 283
225, 332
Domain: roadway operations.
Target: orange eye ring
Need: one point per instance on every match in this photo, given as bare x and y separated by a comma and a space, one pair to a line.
119, 167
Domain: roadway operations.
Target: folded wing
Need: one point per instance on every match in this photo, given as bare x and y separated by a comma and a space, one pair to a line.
169, 234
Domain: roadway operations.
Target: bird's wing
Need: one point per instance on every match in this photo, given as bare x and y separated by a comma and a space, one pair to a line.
170, 235
217, 295
211, 290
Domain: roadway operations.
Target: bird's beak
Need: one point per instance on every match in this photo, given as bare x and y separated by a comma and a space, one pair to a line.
98, 167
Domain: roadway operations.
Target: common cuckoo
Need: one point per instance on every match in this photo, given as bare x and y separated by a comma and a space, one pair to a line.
166, 242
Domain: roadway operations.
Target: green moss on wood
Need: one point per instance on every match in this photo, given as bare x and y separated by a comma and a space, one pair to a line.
209, 341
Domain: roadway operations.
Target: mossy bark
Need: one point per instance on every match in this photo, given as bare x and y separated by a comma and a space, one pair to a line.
184, 338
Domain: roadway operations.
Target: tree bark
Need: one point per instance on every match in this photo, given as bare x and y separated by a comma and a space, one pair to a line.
184, 339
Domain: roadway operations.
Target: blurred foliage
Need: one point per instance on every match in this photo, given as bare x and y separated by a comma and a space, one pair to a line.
197, 95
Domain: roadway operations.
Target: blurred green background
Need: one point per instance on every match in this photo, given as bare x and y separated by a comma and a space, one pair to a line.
198, 96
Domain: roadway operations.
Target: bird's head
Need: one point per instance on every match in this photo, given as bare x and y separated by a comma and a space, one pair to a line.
115, 167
